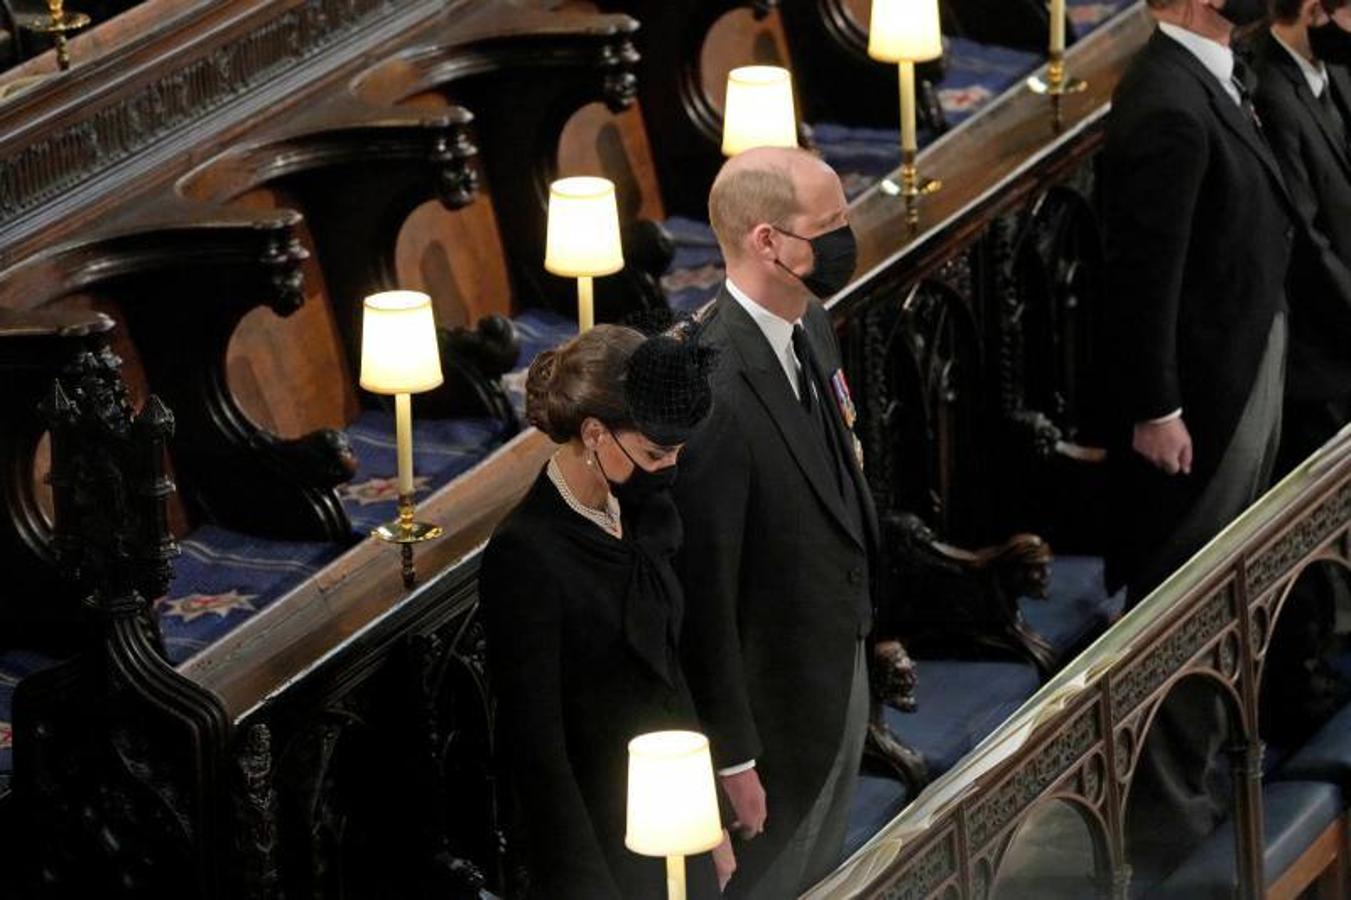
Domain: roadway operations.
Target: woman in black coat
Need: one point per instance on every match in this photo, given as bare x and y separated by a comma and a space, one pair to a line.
583, 608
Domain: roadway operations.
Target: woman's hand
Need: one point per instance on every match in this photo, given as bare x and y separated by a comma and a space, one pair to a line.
724, 860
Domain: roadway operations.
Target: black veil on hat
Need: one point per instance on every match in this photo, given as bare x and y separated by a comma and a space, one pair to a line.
666, 387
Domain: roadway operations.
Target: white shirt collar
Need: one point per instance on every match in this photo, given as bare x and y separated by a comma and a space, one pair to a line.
1316, 75
778, 331
1216, 57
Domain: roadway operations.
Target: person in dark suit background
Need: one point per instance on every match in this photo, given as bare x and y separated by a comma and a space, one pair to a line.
780, 528
583, 608
1304, 98
1198, 229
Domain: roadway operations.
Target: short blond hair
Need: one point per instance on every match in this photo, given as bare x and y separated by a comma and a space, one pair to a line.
745, 195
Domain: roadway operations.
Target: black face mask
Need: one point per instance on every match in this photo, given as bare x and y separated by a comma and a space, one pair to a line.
834, 255
641, 484
1331, 44
1243, 12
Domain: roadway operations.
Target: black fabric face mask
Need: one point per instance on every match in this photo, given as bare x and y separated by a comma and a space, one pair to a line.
834, 253
1243, 12
1331, 44
641, 484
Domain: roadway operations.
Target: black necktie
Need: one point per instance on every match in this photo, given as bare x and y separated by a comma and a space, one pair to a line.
1334, 115
1244, 80
803, 348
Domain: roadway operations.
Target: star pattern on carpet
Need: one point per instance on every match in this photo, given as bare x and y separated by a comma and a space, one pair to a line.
1087, 15
966, 99
696, 277
194, 606
378, 490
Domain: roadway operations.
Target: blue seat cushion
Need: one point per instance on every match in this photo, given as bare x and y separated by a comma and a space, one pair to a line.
1294, 814
959, 703
1077, 607
877, 800
1324, 757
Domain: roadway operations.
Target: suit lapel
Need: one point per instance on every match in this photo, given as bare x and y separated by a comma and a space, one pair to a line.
766, 378
1281, 59
844, 440
1339, 82
1230, 113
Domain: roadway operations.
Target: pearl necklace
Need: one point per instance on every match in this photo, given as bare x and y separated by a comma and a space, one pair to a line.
606, 519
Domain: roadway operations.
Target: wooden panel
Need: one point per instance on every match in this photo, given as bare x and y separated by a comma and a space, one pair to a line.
597, 142
456, 257
291, 375
738, 39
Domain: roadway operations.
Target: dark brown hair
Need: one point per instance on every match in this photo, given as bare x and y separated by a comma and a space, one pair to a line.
582, 379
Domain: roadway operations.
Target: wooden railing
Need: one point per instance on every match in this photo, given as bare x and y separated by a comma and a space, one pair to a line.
1079, 738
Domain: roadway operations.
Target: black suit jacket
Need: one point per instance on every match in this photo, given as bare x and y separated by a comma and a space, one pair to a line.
776, 573
1198, 228
1317, 168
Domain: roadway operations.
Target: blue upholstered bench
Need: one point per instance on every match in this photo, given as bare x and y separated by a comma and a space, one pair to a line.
1324, 757
15, 665
1077, 607
1305, 831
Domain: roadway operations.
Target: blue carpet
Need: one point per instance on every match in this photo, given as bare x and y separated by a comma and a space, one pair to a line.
223, 578
1077, 607
14, 666
442, 449
877, 801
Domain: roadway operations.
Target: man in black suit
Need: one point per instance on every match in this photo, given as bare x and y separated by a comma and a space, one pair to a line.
1304, 98
1198, 228
780, 530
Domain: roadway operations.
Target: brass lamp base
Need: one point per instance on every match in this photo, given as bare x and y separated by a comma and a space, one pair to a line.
405, 532
1057, 84
58, 26
913, 186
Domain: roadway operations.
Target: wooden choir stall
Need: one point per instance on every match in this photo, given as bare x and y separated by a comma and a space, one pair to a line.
214, 682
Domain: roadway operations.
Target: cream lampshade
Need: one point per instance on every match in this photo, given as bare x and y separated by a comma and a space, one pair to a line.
399, 354
905, 30
759, 110
672, 802
583, 236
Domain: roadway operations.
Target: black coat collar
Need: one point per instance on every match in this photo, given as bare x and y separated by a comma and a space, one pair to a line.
765, 375
1280, 60
1229, 112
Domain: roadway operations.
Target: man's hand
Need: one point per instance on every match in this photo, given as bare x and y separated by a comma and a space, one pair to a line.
724, 860
748, 801
1167, 445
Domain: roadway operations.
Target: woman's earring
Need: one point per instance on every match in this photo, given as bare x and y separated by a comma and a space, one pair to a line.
591, 460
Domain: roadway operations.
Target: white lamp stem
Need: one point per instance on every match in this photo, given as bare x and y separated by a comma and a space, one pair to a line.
586, 310
908, 141
403, 428
1057, 27
675, 878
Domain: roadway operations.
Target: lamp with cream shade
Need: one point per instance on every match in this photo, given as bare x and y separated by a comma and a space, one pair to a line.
906, 32
758, 111
672, 801
583, 237
400, 356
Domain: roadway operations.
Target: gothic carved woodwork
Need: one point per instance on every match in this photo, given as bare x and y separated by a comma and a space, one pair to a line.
523, 84
35, 348
116, 755
183, 286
